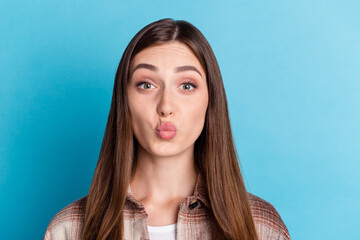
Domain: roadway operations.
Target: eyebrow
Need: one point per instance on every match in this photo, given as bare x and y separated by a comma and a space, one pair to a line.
187, 68
146, 66
155, 69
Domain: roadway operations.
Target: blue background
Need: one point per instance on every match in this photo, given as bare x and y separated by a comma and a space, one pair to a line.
291, 72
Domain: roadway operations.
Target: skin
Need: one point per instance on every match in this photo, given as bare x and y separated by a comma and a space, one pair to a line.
166, 173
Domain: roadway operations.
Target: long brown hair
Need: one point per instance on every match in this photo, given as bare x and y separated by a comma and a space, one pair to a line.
214, 151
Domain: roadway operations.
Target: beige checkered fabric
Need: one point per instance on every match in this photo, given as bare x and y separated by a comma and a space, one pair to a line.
192, 221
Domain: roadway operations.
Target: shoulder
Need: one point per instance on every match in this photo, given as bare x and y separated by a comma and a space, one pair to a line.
267, 220
68, 222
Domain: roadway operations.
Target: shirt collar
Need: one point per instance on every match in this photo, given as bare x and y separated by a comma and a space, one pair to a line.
200, 193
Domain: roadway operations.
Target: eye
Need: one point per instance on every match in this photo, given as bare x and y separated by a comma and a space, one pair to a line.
188, 86
146, 85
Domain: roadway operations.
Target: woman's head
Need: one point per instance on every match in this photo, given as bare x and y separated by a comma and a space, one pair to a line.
171, 39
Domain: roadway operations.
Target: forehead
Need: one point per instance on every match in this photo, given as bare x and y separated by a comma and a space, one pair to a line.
172, 52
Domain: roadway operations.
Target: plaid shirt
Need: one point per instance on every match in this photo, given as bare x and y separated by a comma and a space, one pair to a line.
192, 219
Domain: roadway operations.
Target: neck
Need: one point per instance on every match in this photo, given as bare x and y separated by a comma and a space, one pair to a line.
160, 179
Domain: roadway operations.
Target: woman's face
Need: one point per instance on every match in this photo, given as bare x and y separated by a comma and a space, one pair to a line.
168, 99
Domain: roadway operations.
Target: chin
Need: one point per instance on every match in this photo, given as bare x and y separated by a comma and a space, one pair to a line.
165, 150
164, 153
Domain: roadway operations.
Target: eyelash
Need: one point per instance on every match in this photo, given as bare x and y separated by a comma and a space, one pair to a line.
141, 83
188, 82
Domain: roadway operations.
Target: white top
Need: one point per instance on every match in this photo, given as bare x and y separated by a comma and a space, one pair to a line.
167, 232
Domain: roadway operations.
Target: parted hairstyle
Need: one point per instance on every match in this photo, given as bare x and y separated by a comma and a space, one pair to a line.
214, 151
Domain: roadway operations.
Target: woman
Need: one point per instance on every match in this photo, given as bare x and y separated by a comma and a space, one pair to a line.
168, 167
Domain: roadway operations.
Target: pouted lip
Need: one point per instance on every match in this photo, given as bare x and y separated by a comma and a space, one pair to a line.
166, 130
166, 126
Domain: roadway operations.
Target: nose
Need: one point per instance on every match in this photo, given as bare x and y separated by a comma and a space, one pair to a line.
166, 107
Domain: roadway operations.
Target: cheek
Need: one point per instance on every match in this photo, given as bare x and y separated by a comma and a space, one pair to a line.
138, 122
138, 114
197, 116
